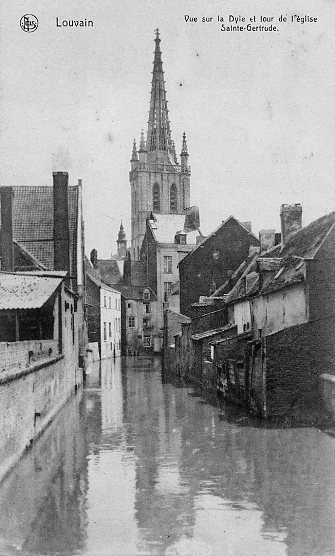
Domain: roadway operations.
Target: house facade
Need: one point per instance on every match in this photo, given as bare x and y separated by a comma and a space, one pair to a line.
42, 229
213, 261
103, 305
39, 367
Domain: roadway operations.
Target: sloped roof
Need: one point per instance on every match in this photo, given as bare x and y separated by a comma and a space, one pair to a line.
306, 242
24, 291
209, 333
166, 226
223, 223
228, 285
33, 222
289, 268
134, 292
109, 271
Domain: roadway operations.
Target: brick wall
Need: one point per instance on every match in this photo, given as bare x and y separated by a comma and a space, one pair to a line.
29, 402
15, 355
295, 358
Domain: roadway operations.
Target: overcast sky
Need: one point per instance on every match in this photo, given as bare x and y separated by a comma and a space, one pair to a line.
257, 108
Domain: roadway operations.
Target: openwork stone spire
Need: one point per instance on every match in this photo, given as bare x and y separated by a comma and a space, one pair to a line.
159, 134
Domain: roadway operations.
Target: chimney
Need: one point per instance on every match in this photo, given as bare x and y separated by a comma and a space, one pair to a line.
267, 239
94, 258
7, 245
61, 221
247, 225
291, 220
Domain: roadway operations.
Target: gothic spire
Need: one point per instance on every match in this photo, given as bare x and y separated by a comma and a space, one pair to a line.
159, 134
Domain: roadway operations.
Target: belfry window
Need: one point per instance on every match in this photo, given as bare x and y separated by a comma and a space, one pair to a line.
173, 198
156, 198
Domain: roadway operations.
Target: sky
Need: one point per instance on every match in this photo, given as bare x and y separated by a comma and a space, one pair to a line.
258, 108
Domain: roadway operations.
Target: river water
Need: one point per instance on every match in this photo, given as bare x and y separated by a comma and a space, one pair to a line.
135, 465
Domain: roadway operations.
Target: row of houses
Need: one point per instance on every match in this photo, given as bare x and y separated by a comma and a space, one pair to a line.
257, 319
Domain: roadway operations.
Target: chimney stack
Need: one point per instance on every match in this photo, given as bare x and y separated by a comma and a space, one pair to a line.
291, 221
61, 221
267, 239
94, 258
247, 225
7, 245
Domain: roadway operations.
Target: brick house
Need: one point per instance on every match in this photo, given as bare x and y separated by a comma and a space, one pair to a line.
213, 261
284, 305
42, 229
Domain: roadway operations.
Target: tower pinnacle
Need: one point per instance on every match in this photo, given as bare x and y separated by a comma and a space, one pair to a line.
134, 153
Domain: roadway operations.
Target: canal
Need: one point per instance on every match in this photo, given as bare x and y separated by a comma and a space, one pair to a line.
135, 465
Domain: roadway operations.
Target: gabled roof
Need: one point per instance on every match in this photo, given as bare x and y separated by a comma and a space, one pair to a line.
165, 227
110, 271
24, 291
33, 222
222, 225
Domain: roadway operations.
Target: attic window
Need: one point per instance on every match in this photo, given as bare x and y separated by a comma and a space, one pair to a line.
146, 295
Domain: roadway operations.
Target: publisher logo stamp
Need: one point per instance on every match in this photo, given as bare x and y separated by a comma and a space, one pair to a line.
29, 23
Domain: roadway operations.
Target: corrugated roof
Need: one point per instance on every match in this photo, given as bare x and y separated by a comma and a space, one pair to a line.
166, 226
23, 291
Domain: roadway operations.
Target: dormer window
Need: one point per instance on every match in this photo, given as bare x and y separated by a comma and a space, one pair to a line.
146, 295
180, 238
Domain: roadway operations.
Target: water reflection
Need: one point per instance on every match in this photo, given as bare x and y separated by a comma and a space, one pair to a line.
133, 465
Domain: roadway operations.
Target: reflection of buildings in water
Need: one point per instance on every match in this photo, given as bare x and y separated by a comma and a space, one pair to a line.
43, 500
111, 395
193, 466
163, 505
111, 525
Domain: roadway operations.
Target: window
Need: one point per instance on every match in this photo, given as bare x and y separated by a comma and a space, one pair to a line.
105, 331
168, 265
173, 198
147, 308
110, 329
146, 341
156, 204
105, 301
146, 295
129, 305
110, 303
131, 322
167, 288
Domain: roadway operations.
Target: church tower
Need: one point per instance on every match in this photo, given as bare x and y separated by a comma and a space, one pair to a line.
159, 182
121, 244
